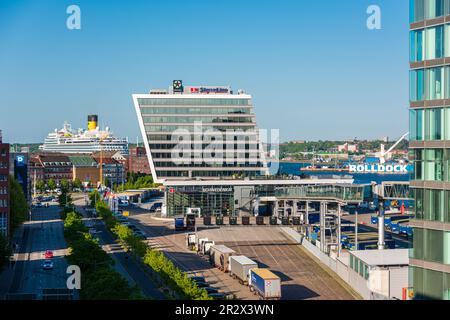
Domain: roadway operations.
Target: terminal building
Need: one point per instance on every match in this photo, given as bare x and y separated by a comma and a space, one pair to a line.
204, 146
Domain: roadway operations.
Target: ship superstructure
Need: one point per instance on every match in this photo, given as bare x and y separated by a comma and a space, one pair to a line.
67, 140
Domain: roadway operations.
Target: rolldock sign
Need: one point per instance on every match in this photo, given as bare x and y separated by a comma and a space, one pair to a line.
378, 168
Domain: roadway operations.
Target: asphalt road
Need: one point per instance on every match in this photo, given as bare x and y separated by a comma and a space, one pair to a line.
44, 232
128, 267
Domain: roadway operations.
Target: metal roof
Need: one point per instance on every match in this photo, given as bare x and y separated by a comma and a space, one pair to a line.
223, 249
83, 161
388, 257
243, 260
266, 274
244, 182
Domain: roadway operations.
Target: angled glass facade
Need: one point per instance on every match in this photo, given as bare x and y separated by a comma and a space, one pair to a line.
429, 143
199, 133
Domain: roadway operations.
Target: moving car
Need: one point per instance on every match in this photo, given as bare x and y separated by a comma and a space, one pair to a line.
47, 265
48, 254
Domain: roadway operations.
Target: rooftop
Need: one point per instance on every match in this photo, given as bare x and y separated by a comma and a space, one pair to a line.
83, 161
383, 257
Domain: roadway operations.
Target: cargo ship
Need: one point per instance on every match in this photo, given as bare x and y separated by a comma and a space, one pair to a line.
363, 168
67, 140
325, 169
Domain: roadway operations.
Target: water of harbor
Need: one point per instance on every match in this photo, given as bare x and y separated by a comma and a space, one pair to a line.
293, 168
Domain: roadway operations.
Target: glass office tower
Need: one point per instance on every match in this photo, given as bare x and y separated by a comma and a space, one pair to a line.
199, 132
430, 147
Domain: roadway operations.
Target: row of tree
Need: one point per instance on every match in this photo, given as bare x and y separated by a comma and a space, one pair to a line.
19, 211
171, 275
64, 185
137, 181
99, 281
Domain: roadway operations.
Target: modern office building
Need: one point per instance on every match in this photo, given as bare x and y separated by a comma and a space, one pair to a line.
4, 187
199, 132
430, 147
203, 144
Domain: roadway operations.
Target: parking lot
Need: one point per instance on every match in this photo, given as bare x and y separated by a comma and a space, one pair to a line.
302, 277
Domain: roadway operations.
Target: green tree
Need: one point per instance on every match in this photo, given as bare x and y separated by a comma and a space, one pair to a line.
19, 205
94, 196
77, 183
65, 185
65, 199
5, 251
106, 284
40, 186
51, 184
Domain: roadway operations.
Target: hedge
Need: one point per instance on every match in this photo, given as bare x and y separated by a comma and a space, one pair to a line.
174, 277
98, 279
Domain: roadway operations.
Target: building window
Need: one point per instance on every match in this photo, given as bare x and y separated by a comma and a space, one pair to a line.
416, 10
431, 245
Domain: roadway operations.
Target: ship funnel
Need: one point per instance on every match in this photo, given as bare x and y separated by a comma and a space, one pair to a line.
92, 122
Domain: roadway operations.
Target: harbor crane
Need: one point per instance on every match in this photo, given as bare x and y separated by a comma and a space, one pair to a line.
385, 154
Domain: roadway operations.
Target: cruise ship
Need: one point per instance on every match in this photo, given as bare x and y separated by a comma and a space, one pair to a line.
91, 140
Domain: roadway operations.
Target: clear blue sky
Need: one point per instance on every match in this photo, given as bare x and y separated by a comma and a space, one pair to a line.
314, 69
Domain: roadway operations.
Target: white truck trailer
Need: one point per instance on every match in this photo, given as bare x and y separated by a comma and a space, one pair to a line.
265, 283
240, 267
218, 256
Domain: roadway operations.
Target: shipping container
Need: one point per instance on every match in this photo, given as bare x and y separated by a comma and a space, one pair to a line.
240, 267
265, 283
219, 255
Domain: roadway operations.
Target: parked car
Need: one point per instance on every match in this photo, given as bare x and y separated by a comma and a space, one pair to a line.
217, 296
47, 265
140, 234
202, 284
198, 279
211, 290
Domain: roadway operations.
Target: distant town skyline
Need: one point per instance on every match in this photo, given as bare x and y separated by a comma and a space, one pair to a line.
314, 79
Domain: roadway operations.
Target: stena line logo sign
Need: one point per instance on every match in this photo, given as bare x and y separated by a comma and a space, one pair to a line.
378, 168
